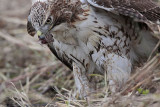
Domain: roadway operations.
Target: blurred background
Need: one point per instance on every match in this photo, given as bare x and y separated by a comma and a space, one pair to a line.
29, 74
25, 64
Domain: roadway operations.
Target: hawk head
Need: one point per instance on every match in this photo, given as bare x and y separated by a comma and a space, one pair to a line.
46, 15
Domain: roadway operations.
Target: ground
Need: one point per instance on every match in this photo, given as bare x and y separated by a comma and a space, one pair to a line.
31, 76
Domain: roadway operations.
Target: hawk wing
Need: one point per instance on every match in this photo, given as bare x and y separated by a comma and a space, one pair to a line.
141, 10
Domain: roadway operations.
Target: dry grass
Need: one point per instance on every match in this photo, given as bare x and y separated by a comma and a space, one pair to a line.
31, 76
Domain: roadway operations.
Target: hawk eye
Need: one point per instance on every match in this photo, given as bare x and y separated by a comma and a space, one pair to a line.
49, 20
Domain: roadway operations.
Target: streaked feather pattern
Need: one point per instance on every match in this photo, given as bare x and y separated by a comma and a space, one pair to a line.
140, 9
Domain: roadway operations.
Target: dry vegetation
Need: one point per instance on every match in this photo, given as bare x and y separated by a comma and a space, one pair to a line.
30, 76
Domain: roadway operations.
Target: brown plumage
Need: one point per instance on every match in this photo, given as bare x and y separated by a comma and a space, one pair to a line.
64, 10
139, 9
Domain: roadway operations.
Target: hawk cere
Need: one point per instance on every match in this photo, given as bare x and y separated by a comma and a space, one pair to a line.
96, 36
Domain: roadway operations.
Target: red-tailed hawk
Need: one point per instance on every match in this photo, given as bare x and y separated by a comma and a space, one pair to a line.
96, 36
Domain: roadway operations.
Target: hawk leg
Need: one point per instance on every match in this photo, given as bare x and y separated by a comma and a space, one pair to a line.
82, 82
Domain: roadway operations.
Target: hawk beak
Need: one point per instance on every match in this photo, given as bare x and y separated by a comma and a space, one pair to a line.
40, 35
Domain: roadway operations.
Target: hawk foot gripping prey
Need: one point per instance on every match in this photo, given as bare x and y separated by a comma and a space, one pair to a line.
96, 36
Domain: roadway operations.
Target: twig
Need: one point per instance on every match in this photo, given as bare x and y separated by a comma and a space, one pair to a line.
139, 77
20, 42
154, 50
23, 77
14, 20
